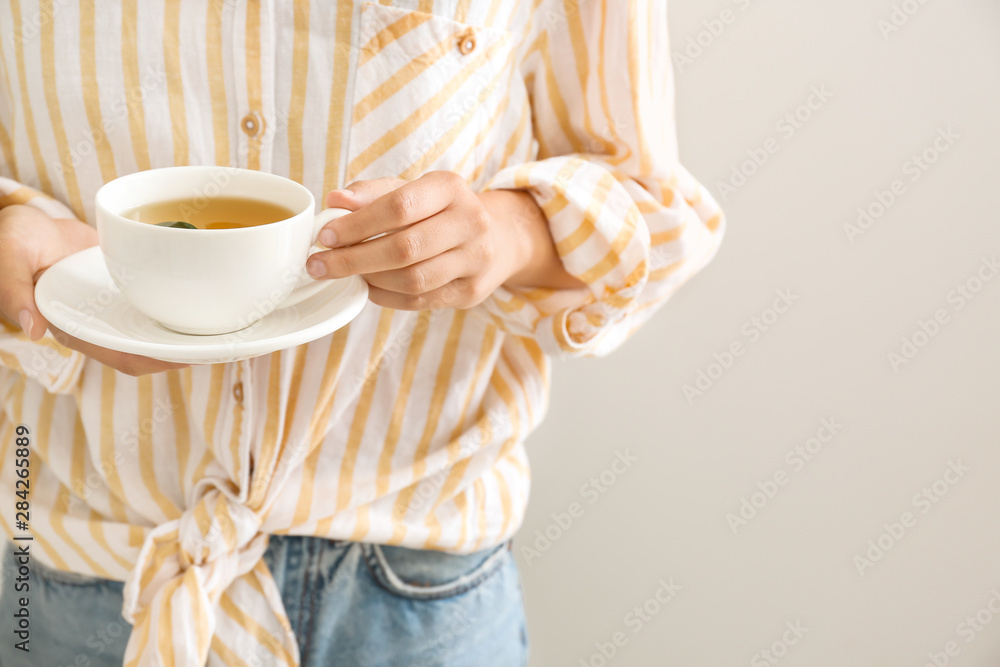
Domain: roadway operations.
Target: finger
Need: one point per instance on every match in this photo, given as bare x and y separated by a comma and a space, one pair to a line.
130, 364
30, 242
17, 292
414, 244
458, 293
403, 206
362, 193
17, 302
423, 277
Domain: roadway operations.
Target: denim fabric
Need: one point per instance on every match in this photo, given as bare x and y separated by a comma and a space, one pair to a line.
349, 604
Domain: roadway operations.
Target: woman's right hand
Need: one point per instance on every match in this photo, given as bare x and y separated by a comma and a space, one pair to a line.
31, 242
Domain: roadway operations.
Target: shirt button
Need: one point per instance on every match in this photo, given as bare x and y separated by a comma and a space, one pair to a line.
467, 44
238, 392
251, 124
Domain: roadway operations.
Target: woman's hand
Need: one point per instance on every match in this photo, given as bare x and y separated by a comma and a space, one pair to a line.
31, 242
445, 246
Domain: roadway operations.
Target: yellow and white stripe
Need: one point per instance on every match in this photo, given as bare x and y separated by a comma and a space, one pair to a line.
403, 428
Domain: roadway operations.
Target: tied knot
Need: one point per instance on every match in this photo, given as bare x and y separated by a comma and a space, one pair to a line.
214, 542
215, 526
185, 574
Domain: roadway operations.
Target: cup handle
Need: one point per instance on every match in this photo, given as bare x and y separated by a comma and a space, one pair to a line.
308, 286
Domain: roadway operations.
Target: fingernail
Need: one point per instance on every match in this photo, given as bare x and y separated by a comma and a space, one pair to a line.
328, 237
342, 193
26, 321
316, 268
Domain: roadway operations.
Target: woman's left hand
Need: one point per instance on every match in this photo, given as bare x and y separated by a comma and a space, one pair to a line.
445, 245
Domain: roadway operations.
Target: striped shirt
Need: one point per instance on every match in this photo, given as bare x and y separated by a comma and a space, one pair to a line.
403, 428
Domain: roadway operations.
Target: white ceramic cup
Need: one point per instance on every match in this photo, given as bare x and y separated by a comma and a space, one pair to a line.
209, 281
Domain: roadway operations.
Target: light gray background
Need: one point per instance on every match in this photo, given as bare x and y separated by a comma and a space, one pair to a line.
827, 356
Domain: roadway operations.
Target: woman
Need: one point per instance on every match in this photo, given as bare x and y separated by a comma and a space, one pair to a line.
349, 501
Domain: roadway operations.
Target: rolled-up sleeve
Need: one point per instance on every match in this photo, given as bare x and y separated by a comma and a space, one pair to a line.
54, 366
627, 219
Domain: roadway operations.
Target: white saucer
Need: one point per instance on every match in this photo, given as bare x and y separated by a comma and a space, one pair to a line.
78, 296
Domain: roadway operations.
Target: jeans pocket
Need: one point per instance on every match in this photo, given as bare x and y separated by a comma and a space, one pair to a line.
46, 573
417, 574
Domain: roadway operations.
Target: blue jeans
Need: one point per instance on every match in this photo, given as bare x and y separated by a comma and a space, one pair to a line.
350, 604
